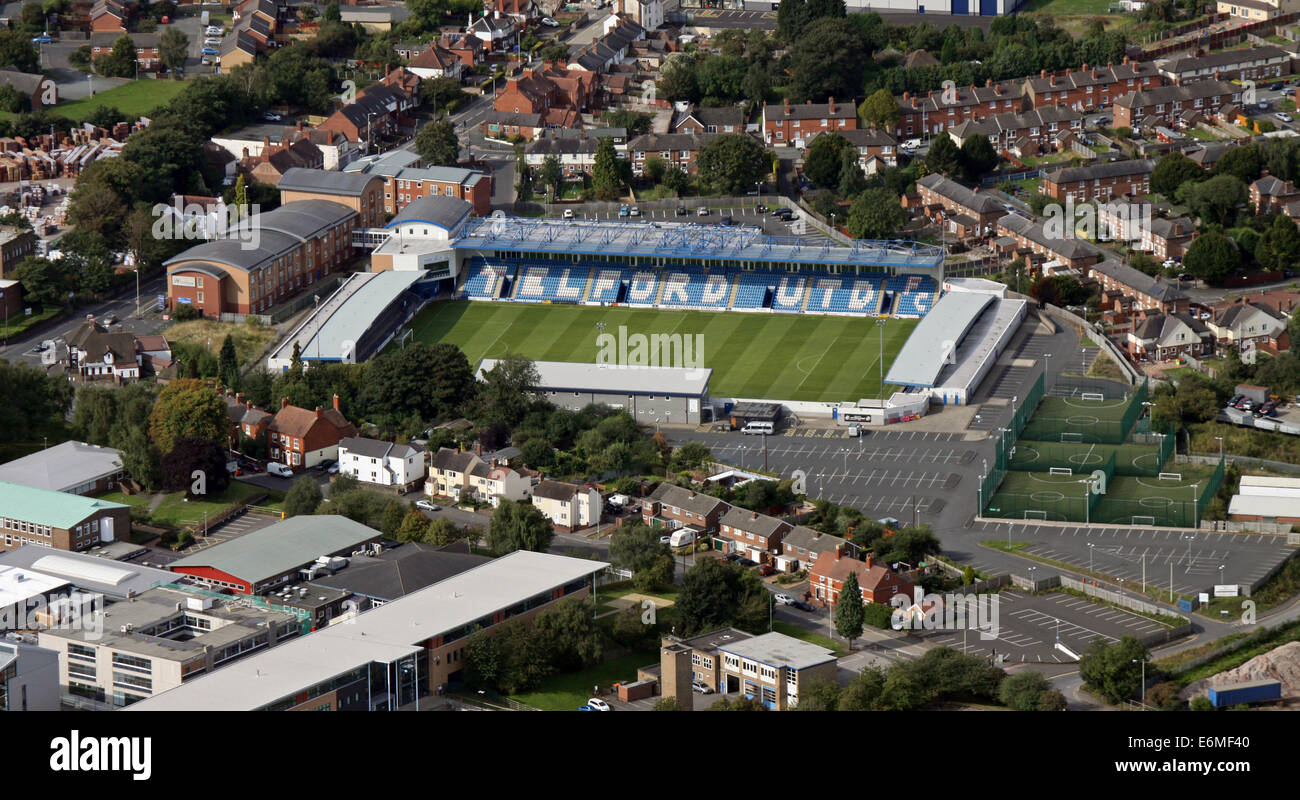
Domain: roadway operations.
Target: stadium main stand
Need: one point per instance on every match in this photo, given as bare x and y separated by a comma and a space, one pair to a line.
598, 282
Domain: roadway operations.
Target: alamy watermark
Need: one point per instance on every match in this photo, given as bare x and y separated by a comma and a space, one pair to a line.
236, 222
639, 350
79, 611
947, 612
1107, 222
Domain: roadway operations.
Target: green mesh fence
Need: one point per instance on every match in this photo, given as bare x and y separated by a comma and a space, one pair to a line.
1026, 410
1130, 459
1108, 469
1136, 408
1211, 488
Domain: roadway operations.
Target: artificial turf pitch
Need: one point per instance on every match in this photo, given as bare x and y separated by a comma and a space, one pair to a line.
758, 355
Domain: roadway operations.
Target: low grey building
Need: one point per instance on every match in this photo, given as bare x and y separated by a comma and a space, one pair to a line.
73, 467
649, 394
29, 677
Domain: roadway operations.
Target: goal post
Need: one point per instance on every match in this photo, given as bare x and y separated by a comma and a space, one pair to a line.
1144, 520
1060, 471
1071, 438
1095, 396
1036, 515
1171, 476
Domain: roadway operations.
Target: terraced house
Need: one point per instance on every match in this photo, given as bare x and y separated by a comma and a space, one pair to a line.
796, 124
1039, 130
676, 507
1101, 181
755, 536
1164, 105
962, 211
935, 113
1088, 87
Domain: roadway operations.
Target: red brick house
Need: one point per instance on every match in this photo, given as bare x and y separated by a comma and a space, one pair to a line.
301, 439
1091, 87
933, 114
787, 124
147, 54
878, 583
680, 150
1164, 105
1100, 181
108, 16
754, 535
675, 506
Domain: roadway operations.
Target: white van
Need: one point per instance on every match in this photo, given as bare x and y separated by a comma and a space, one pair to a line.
276, 468
758, 427
681, 538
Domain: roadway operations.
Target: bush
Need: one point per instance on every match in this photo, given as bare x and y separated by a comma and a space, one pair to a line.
184, 312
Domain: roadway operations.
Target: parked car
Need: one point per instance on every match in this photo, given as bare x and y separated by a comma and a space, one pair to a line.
801, 605
634, 212
746, 562
333, 469
681, 210
911, 144
1277, 87
701, 688
427, 505
766, 570
271, 116
282, 470
731, 557
206, 61
728, 220
214, 30
212, 41
1283, 116
622, 211
784, 600
209, 51
1263, 106
44, 38
550, 23
665, 540
598, 705
702, 211
568, 213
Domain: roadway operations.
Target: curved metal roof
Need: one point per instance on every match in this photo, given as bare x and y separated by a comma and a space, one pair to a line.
935, 339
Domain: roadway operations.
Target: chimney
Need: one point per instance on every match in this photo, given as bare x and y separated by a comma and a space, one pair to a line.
988, 82
1042, 73
692, 494
830, 103
284, 402
787, 106
907, 96
336, 402
1094, 72
753, 515
1110, 65
869, 561
1084, 68
319, 412
478, 448
239, 397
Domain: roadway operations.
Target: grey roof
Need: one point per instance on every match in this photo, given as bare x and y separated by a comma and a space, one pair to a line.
304, 218
778, 650
1139, 281
1083, 78
278, 548
1102, 170
25, 82
390, 163
649, 142
720, 116
445, 212
87, 571
1033, 231
925, 353
1169, 94
978, 202
696, 502
374, 448
453, 460
1228, 317
63, 466
400, 571
301, 179
237, 254
347, 314
1172, 228
615, 379
142, 41
1007, 122
1240, 57
812, 540
751, 521
1161, 326
802, 111
1272, 186
556, 490
383, 634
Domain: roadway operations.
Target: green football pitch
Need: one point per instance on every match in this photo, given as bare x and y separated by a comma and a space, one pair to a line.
773, 356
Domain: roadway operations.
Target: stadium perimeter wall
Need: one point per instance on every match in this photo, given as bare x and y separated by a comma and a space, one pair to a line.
1097, 337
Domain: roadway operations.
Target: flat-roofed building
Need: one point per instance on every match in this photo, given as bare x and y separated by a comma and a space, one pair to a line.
159, 640
29, 677
389, 657
54, 519
773, 668
88, 572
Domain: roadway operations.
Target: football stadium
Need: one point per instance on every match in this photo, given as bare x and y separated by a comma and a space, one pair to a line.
1088, 454
782, 318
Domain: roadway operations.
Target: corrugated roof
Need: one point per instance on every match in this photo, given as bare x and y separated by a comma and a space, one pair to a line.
276, 549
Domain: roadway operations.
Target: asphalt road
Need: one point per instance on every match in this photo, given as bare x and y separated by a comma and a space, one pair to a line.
122, 306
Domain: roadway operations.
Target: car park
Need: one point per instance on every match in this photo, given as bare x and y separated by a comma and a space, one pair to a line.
700, 687
427, 505
598, 704
783, 599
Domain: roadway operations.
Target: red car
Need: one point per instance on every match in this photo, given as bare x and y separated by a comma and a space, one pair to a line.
766, 569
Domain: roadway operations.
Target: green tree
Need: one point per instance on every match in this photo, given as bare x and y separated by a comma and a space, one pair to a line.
849, 614
1212, 257
188, 409
1242, 162
828, 60
1172, 171
1113, 671
518, 526
437, 144
822, 161
819, 695
140, 458
733, 162
228, 364
552, 173
876, 214
637, 548
666, 704
303, 497
432, 382
332, 12
120, 61
944, 156
880, 110
414, 527
606, 174
852, 180
174, 47
1215, 200
717, 593
483, 659
1279, 247
508, 389
1021, 690
978, 158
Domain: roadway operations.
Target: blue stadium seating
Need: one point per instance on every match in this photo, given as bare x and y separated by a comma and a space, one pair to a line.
550, 282
790, 291
691, 287
485, 280
608, 283
914, 294
643, 286
751, 291
845, 293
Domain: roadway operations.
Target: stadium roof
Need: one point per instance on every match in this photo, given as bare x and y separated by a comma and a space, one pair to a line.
382, 635
434, 209
346, 315
686, 240
278, 548
926, 351
572, 376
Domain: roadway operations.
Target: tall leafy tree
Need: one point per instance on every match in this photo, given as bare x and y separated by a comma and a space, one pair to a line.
188, 409
606, 174
876, 214
304, 497
228, 364
944, 156
978, 158
828, 60
1211, 257
1216, 200
880, 110
1279, 247
716, 593
733, 163
1172, 171
519, 526
437, 144
174, 47
198, 466
823, 159
508, 388
849, 614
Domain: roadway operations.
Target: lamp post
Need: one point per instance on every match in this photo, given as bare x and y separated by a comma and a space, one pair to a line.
880, 326
1220, 438
1087, 511
1090, 547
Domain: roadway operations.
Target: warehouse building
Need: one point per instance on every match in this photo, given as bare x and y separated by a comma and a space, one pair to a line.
1266, 499
650, 394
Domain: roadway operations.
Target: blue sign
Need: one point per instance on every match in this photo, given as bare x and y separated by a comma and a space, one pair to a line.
162, 302
1185, 605
185, 300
